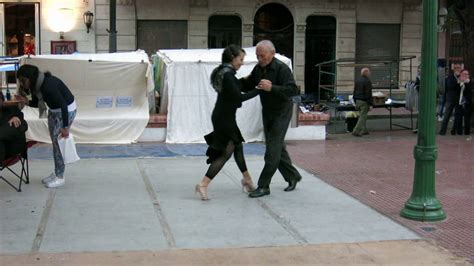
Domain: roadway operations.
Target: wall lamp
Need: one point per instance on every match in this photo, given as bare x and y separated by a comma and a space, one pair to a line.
442, 14
88, 16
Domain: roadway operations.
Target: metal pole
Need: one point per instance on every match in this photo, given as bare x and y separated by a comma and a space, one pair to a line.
113, 29
423, 204
411, 111
335, 77
390, 93
319, 84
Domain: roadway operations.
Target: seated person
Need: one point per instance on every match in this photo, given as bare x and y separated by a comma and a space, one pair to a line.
12, 130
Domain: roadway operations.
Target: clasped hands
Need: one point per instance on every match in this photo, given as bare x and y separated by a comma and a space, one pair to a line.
265, 85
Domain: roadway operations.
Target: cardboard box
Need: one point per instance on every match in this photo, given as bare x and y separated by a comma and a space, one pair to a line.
378, 100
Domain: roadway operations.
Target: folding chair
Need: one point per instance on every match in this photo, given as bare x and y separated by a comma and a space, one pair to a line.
22, 158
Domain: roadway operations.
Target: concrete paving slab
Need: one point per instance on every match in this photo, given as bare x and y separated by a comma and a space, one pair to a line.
20, 213
324, 214
102, 205
229, 219
149, 204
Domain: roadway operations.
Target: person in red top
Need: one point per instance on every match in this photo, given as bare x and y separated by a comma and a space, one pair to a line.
29, 45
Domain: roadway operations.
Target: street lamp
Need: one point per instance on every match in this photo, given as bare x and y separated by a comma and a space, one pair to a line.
88, 16
442, 14
423, 204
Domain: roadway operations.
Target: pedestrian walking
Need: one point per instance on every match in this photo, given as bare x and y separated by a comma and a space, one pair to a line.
226, 139
275, 80
363, 99
46, 91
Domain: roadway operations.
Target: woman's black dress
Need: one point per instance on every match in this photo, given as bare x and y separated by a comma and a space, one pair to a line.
225, 126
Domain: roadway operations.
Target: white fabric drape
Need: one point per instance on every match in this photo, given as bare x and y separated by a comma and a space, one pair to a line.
90, 76
188, 98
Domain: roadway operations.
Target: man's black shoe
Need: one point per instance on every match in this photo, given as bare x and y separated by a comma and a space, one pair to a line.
259, 192
291, 185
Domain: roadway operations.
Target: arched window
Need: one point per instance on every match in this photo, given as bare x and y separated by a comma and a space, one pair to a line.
224, 30
274, 22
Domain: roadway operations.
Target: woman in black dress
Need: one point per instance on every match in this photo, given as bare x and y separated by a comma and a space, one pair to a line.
226, 138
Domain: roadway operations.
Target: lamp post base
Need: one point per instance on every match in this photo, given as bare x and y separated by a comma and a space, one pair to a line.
423, 210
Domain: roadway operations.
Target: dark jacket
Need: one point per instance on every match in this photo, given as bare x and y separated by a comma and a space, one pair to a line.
56, 95
231, 98
12, 140
468, 91
363, 90
7, 112
279, 99
453, 90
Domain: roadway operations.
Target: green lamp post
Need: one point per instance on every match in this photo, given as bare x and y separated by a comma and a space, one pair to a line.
423, 204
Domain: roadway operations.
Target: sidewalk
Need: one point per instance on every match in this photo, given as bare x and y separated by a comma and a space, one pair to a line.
135, 204
408, 252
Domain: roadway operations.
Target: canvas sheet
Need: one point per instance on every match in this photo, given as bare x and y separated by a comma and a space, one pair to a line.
188, 98
110, 91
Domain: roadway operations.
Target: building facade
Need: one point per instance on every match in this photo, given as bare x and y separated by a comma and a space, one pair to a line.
307, 31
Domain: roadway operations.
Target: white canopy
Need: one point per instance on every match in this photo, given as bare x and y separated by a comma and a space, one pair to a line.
110, 91
188, 98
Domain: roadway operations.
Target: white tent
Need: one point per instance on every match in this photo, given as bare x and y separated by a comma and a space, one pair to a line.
110, 91
188, 98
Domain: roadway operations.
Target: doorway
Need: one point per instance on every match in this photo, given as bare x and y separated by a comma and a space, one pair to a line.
320, 47
21, 28
274, 22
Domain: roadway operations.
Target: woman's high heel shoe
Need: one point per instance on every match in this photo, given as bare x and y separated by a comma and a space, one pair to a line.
202, 192
247, 185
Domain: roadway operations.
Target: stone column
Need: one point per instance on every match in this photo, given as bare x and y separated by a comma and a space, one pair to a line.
442, 35
247, 34
126, 25
197, 24
410, 39
346, 43
299, 53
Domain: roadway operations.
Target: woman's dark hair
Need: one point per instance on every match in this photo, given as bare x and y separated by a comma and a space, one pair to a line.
230, 52
30, 72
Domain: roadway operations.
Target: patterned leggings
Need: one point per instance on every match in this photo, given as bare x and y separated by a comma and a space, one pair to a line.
55, 123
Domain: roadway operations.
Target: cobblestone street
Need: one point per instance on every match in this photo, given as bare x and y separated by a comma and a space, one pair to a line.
378, 170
